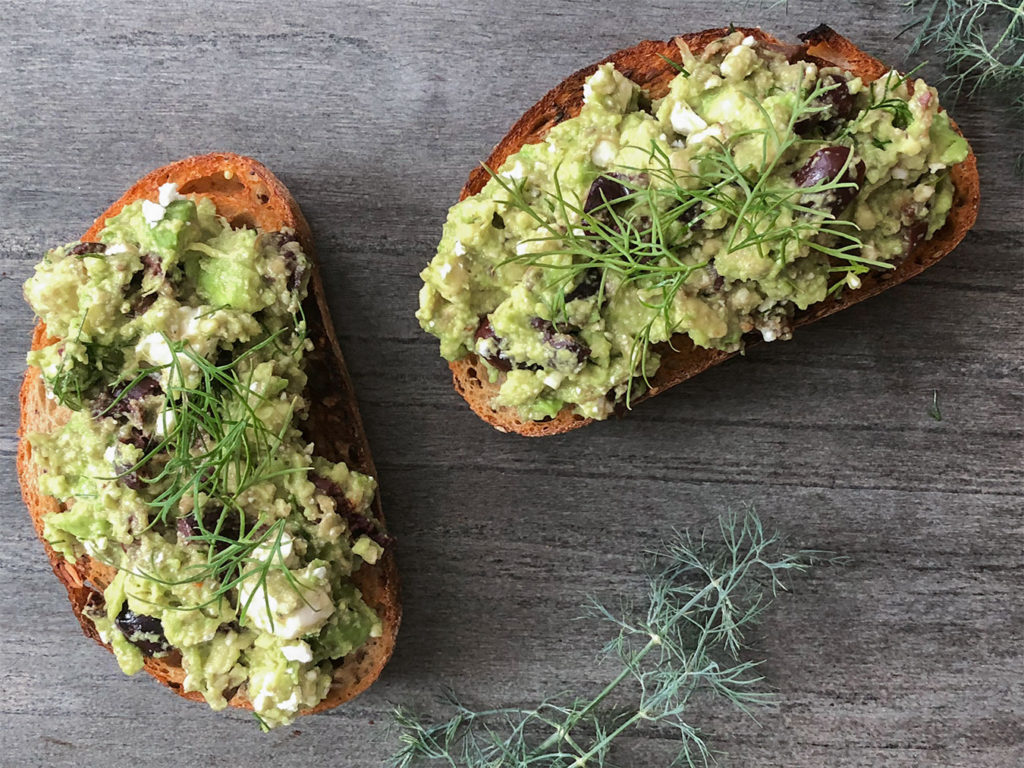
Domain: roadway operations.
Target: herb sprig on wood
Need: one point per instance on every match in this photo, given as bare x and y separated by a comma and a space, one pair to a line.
702, 598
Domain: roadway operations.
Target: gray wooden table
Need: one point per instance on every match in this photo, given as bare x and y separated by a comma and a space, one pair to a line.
373, 113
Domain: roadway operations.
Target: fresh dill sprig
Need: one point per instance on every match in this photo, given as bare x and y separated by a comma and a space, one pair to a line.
215, 448
644, 236
702, 598
981, 42
933, 409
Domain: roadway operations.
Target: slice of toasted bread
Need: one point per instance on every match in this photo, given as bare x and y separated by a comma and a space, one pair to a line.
247, 194
646, 64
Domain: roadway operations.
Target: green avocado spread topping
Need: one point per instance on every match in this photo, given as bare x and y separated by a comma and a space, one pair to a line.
754, 188
179, 350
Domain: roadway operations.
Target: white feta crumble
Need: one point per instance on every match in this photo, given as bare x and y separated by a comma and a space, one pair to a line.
603, 153
153, 348
300, 652
153, 212
167, 194
553, 379
516, 172
116, 248
306, 618
460, 249
685, 121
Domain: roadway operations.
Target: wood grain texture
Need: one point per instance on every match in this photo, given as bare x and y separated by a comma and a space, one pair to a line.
912, 655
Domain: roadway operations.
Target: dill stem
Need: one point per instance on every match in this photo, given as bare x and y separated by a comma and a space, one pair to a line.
570, 723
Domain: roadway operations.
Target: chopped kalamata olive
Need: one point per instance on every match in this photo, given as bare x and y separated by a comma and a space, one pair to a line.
129, 479
85, 248
824, 166
559, 338
142, 303
296, 270
281, 239
588, 285
606, 189
497, 222
216, 521
837, 105
358, 525
484, 331
717, 281
152, 264
128, 405
144, 632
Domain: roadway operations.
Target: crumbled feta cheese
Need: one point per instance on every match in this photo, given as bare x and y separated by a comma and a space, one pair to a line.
153, 212
553, 379
153, 348
116, 248
516, 172
711, 132
300, 652
685, 120
167, 194
444, 270
749, 41
460, 249
307, 617
603, 153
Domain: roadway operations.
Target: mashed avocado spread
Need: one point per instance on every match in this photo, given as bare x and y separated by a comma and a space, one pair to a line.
754, 188
180, 344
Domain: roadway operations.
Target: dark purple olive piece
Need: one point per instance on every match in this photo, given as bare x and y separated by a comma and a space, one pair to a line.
588, 285
838, 105
717, 281
217, 521
144, 632
85, 248
152, 264
605, 189
485, 331
560, 338
824, 166
142, 303
358, 525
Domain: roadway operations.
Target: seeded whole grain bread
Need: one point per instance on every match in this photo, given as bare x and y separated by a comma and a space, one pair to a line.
646, 65
248, 194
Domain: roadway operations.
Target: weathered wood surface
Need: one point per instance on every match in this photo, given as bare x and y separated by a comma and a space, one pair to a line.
373, 113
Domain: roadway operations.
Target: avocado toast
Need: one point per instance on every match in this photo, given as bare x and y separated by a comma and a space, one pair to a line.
658, 211
283, 558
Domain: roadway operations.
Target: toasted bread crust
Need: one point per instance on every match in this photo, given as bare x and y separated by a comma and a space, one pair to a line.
645, 65
245, 193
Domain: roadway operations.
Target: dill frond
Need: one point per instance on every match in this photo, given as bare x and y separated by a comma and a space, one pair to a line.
703, 596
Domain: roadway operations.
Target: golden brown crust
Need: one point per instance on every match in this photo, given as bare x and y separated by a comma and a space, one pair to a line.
246, 193
645, 65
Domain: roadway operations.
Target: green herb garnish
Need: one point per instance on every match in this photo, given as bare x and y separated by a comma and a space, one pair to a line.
982, 43
701, 600
933, 409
